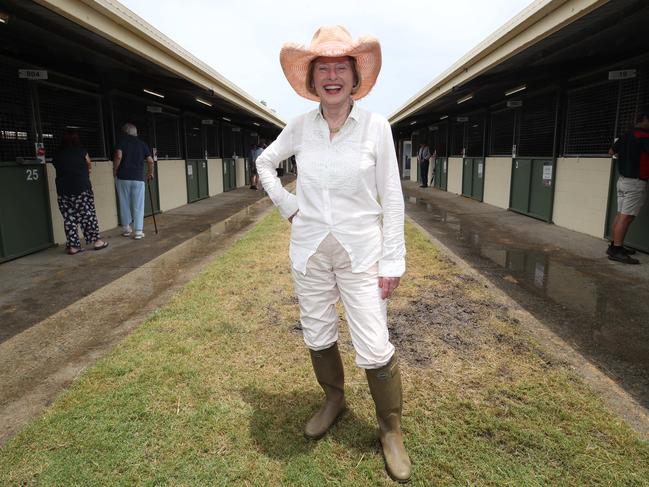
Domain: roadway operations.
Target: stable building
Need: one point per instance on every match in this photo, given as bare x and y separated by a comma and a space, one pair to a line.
92, 66
524, 121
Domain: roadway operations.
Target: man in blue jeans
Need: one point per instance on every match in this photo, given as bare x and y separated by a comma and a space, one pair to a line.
128, 170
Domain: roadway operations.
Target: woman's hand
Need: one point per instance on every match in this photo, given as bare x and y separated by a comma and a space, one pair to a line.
388, 285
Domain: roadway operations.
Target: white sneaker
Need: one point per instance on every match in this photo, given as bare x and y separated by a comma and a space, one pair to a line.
126, 231
139, 235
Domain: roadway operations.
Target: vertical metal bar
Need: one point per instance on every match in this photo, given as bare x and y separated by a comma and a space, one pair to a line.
617, 109
559, 116
38, 130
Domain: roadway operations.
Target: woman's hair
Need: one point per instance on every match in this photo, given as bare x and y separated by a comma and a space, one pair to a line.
309, 76
70, 139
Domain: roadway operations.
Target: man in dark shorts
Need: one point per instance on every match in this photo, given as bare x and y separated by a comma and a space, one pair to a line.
128, 170
632, 150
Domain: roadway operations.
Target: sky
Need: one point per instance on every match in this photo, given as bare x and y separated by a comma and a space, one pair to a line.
241, 39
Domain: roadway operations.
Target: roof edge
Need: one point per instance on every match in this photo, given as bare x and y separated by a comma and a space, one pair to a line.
539, 20
115, 22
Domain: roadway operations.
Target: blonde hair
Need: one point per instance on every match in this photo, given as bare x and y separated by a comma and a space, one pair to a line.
309, 76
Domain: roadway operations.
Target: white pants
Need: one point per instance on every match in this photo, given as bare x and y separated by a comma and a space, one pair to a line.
329, 277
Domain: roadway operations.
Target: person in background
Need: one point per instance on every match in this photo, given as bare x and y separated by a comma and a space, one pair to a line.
75, 197
128, 170
255, 153
432, 177
632, 151
252, 168
347, 216
423, 157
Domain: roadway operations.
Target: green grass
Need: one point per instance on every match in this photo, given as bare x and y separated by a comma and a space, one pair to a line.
214, 388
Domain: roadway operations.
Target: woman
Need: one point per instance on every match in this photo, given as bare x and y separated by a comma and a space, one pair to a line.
75, 197
347, 225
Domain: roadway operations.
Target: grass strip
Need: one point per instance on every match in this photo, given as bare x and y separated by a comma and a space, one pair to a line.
214, 389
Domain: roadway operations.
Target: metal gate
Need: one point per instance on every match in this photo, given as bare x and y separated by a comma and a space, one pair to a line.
25, 224
196, 172
473, 178
229, 174
532, 187
638, 234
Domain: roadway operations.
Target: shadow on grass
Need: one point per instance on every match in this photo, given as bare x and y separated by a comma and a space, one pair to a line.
277, 423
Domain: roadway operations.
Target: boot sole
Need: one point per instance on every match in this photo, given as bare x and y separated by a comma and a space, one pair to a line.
338, 416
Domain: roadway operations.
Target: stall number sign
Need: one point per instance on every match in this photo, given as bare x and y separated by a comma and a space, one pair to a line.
190, 171
480, 170
547, 174
32, 73
622, 74
32, 174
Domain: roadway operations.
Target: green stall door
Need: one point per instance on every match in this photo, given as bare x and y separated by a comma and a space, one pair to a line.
229, 174
24, 210
152, 193
477, 186
473, 178
532, 187
467, 177
191, 172
541, 189
203, 189
443, 180
520, 191
638, 234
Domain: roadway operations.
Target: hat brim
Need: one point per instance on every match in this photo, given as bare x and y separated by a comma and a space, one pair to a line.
295, 60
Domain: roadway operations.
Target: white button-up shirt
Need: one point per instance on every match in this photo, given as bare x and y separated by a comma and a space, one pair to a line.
348, 186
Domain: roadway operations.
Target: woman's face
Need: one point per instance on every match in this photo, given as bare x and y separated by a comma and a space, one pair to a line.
333, 79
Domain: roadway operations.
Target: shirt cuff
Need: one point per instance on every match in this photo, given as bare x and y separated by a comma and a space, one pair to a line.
392, 268
289, 206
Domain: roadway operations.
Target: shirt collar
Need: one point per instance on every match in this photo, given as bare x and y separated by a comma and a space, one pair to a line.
354, 114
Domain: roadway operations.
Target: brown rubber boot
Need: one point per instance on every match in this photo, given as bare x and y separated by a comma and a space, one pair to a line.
385, 386
328, 368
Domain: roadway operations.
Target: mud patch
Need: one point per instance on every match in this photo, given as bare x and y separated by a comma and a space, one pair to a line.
450, 315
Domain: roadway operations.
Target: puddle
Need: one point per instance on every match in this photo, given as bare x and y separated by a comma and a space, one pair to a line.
586, 301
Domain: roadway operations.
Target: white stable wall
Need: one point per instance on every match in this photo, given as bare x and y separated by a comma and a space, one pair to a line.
454, 182
581, 194
172, 184
497, 183
241, 172
215, 176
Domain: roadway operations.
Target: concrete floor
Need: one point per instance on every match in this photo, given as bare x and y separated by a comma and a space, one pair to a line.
60, 313
563, 278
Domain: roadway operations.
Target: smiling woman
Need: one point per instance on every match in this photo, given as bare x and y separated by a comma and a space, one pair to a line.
347, 225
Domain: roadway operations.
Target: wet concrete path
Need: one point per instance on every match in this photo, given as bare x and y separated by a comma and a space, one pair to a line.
60, 313
563, 278
39, 285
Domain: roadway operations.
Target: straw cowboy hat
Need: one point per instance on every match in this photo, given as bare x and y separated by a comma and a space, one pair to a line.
334, 41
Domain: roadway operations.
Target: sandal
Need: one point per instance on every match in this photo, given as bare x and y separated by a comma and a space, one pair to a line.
74, 252
103, 245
